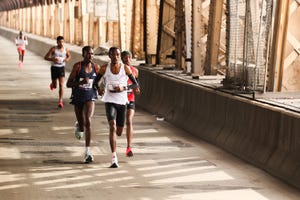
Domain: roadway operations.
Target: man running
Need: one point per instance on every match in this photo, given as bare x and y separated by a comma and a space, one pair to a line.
58, 55
115, 75
81, 80
126, 59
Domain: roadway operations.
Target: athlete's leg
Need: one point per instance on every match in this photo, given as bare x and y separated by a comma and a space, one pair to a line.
112, 135
78, 108
111, 113
54, 78
88, 113
129, 127
84, 113
120, 120
111, 118
113, 143
22, 55
54, 83
61, 88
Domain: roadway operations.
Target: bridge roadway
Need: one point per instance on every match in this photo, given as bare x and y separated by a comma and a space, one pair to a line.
40, 159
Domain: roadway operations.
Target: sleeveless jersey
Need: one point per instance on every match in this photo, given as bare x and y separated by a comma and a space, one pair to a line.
21, 42
62, 55
130, 92
112, 80
85, 92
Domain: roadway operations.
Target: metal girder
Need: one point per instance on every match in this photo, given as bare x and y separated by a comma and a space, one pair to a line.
150, 30
197, 47
6, 5
276, 69
166, 33
179, 34
213, 41
291, 59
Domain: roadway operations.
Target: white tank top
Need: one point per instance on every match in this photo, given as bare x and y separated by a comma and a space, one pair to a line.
111, 80
62, 55
21, 42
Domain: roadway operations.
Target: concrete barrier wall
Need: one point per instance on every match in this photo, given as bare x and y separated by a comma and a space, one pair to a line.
263, 135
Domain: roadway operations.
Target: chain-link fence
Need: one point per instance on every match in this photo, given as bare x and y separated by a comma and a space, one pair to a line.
248, 26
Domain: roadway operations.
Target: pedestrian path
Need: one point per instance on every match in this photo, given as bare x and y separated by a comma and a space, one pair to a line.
41, 159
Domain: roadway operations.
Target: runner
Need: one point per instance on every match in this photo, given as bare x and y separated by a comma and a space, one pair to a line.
81, 81
59, 55
21, 42
115, 75
126, 59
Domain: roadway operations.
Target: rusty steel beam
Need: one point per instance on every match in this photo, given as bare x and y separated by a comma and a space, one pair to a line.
6, 5
179, 32
197, 61
278, 49
213, 40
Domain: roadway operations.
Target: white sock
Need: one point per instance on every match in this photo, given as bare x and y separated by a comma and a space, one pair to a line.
114, 158
88, 150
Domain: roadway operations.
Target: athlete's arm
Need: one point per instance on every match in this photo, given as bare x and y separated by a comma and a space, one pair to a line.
100, 73
96, 84
97, 68
136, 75
49, 54
68, 55
26, 41
134, 84
73, 80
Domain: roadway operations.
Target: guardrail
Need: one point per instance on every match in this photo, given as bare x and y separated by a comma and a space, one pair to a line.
266, 136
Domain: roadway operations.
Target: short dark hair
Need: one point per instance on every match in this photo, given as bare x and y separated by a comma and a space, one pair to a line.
125, 53
59, 38
111, 49
86, 48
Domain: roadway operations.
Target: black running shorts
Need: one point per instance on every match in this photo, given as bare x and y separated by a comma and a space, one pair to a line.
116, 112
57, 72
131, 105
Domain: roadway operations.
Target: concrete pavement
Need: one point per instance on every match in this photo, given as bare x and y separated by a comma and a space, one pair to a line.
41, 159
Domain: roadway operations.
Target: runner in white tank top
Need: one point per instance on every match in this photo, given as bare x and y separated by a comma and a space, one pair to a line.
21, 42
58, 55
115, 96
112, 81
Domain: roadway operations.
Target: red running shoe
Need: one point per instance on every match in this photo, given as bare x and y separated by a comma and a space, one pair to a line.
51, 86
129, 152
20, 65
60, 104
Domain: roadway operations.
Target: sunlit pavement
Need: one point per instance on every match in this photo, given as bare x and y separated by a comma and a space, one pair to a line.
40, 158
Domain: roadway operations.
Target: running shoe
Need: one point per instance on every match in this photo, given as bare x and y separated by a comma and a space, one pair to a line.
114, 161
129, 152
114, 165
20, 64
78, 132
88, 158
60, 104
51, 86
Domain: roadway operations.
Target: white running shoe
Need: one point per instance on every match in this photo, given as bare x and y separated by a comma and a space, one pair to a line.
114, 165
78, 132
114, 162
